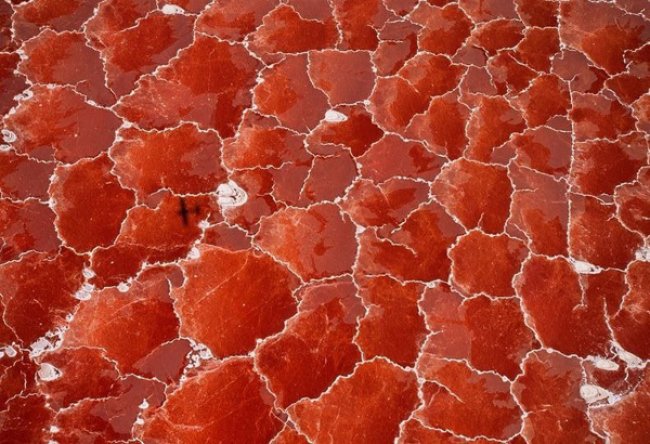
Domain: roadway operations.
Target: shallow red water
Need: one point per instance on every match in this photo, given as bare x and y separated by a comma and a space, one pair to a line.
324, 221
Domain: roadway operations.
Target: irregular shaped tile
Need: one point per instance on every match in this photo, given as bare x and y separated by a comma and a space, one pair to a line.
140, 49
209, 82
26, 419
368, 405
631, 323
57, 123
598, 116
328, 68
444, 29
183, 160
232, 19
536, 13
287, 93
633, 203
497, 34
394, 102
66, 59
329, 177
194, 412
602, 31
549, 393
582, 75
113, 16
600, 166
26, 226
592, 219
316, 346
475, 193
398, 43
316, 242
473, 329
545, 150
359, 22
509, 74
484, 263
283, 30
29, 17
452, 392
392, 327
37, 292
539, 47
393, 156
563, 316
90, 203
432, 75
22, 177
387, 204
548, 96
214, 309
416, 251
11, 82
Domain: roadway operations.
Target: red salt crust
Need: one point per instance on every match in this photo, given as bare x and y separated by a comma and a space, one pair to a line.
444, 29
475, 193
316, 345
368, 405
32, 16
473, 329
316, 242
84, 194
359, 22
26, 226
509, 74
453, 392
114, 16
417, 250
59, 123
11, 83
538, 47
194, 412
26, 419
65, 59
392, 326
326, 68
213, 308
633, 203
600, 116
544, 149
484, 263
549, 392
631, 324
22, 177
232, 19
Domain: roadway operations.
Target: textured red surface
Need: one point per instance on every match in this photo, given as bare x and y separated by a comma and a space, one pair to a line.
324, 221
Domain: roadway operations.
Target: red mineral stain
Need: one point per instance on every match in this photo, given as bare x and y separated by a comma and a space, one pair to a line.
107, 321
491, 125
452, 392
316, 345
289, 435
312, 9
386, 204
631, 85
392, 326
26, 226
563, 317
138, 50
58, 15
114, 16
476, 193
359, 22
395, 101
624, 421
598, 116
58, 123
37, 292
328, 68
417, 250
398, 43
633, 203
316, 242
195, 412
444, 29
539, 47
473, 329
66, 59
497, 34
357, 131
231, 299
183, 160
261, 143
540, 209
209, 82
11, 82
600, 166
232, 19
509, 74
6, 37
602, 31
575, 68
90, 203
631, 324
592, 219
549, 393
545, 150
284, 31
26, 419
548, 96
442, 126
484, 10
483, 263
368, 406
287, 93
22, 177
393, 156
86, 373
538, 13
432, 75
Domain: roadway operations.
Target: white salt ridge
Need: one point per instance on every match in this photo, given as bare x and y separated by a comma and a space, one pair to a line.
582, 267
335, 116
231, 195
606, 364
9, 136
47, 372
593, 393
172, 9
